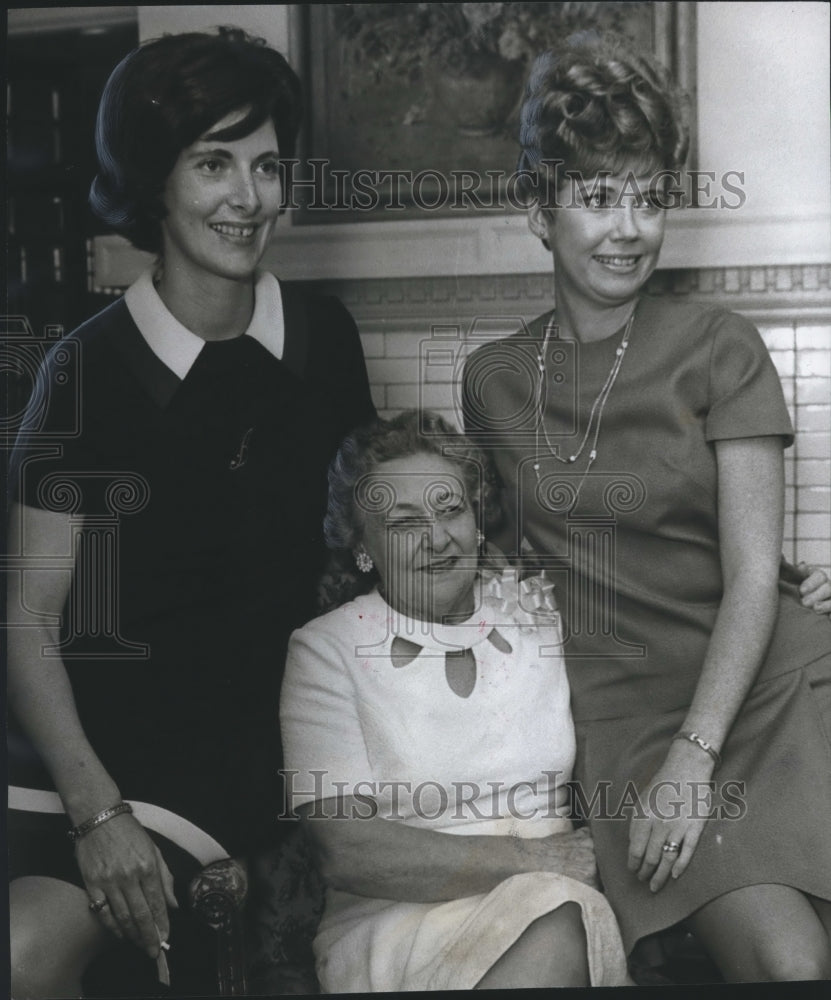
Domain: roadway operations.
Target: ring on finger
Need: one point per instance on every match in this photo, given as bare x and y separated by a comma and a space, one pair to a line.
671, 847
97, 905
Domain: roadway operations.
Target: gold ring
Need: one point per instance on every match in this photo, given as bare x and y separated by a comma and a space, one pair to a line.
670, 847
97, 905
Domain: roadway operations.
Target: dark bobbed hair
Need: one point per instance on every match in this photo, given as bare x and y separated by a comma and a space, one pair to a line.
162, 97
595, 105
412, 432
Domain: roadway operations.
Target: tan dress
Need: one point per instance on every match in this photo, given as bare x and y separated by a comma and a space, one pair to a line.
636, 563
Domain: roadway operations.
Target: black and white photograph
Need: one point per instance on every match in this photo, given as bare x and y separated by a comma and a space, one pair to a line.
416, 525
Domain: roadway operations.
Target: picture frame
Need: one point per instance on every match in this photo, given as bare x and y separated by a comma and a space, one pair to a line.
413, 109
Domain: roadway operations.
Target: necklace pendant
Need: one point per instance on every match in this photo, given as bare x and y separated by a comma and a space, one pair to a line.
595, 415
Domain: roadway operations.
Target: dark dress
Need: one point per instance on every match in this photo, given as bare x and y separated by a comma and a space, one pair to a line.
217, 486
636, 564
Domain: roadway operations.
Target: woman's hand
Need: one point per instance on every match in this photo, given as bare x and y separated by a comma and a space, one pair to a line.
391, 860
571, 854
815, 588
675, 806
120, 863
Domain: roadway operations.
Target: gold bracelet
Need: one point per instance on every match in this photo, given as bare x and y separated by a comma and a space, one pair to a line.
84, 828
708, 748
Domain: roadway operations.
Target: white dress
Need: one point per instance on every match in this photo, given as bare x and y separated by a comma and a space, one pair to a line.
494, 762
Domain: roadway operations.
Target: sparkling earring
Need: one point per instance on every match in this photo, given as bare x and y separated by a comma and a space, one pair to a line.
480, 538
364, 561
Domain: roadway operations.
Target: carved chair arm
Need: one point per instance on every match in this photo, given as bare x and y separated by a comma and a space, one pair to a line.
217, 896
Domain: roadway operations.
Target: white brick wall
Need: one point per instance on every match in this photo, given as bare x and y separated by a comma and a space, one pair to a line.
802, 355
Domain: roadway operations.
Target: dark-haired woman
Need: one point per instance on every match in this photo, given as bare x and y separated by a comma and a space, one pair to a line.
211, 398
640, 440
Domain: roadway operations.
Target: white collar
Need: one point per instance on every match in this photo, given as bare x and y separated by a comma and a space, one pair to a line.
178, 348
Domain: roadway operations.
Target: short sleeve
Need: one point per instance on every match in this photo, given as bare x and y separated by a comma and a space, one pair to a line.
336, 365
351, 385
56, 441
746, 398
322, 737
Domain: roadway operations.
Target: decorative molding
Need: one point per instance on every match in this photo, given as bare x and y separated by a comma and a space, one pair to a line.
784, 293
788, 292
500, 244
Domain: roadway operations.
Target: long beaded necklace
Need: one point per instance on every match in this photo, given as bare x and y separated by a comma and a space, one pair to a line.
595, 415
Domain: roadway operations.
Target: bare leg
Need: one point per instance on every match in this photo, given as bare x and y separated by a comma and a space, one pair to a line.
823, 908
550, 952
54, 937
764, 933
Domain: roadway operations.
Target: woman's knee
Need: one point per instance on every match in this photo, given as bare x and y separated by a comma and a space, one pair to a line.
765, 933
51, 938
30, 978
565, 937
794, 962
32, 963
551, 951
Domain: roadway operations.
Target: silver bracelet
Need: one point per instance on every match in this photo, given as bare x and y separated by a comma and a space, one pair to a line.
84, 828
708, 748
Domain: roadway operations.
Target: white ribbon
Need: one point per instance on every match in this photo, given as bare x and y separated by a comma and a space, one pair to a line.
528, 602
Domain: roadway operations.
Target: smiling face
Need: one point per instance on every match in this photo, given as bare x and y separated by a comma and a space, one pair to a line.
425, 544
605, 239
222, 199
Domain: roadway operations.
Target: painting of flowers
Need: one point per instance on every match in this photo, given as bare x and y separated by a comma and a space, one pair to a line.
435, 88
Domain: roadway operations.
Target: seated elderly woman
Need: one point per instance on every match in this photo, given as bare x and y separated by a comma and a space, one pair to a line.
429, 742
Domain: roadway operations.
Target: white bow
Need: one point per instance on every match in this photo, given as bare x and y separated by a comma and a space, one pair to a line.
528, 602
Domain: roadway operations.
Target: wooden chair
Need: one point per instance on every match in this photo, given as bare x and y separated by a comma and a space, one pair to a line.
216, 894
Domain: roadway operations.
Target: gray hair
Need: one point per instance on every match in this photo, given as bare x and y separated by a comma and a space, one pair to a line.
412, 432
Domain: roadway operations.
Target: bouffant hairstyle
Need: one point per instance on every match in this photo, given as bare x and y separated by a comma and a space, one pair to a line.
595, 105
162, 97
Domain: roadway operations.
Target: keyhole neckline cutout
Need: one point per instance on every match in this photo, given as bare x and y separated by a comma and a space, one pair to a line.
460, 665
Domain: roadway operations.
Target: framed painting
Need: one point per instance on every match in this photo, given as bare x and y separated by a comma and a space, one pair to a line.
414, 107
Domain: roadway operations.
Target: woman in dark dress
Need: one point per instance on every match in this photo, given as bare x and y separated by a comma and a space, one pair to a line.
185, 455
640, 442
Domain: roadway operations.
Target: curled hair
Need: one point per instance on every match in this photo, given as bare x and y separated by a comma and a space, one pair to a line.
594, 105
412, 432
162, 97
